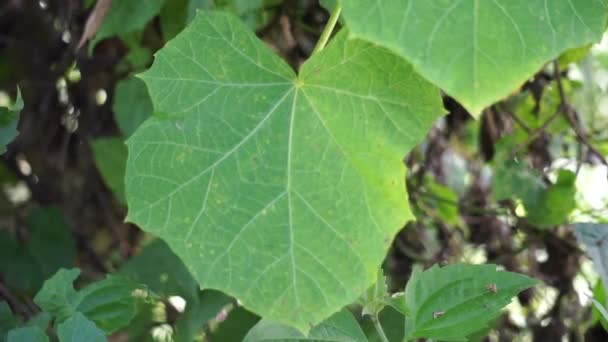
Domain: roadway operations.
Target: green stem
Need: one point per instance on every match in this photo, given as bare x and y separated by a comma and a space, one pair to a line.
379, 329
329, 28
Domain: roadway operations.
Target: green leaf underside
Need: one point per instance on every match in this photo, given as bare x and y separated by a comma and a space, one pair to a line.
280, 190
478, 51
78, 328
340, 327
459, 292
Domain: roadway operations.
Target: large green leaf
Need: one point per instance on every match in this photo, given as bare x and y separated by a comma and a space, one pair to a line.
341, 327
595, 238
478, 51
253, 171
109, 303
453, 302
78, 328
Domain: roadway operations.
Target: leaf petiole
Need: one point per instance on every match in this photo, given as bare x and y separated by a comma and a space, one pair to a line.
329, 28
379, 329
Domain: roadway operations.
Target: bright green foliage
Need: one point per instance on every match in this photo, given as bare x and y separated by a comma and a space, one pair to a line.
253, 171
126, 16
109, 303
453, 302
556, 202
440, 201
78, 329
595, 238
599, 296
50, 246
111, 158
9, 117
341, 327
132, 105
27, 334
601, 309
478, 51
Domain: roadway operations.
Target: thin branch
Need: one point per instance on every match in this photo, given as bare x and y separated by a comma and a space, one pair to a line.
573, 119
519, 122
537, 132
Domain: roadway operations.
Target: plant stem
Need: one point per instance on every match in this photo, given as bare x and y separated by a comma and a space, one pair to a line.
329, 28
379, 329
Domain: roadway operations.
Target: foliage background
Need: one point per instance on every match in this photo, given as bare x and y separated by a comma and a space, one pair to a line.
62, 203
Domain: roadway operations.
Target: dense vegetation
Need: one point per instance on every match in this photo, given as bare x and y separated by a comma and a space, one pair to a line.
267, 170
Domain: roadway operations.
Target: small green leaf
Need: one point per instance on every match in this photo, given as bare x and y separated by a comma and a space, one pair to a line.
132, 105
595, 238
340, 327
27, 334
126, 16
556, 202
9, 117
58, 296
254, 171
111, 159
79, 329
478, 51
109, 302
453, 302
